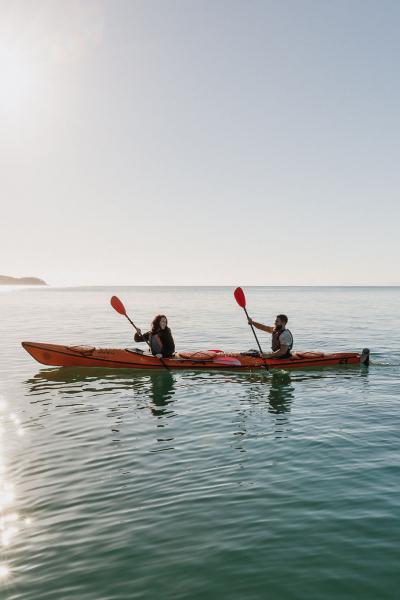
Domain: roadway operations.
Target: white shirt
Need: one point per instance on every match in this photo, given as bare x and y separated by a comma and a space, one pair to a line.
286, 338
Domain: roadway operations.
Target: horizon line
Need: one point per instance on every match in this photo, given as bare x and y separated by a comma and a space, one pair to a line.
277, 285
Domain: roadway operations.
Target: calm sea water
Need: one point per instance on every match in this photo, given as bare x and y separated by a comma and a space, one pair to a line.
121, 485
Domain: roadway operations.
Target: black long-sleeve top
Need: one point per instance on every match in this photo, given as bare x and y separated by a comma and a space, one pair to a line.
165, 337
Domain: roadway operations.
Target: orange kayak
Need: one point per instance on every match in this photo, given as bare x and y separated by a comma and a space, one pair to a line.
135, 358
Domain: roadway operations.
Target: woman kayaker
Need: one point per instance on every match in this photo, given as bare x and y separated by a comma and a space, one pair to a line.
159, 338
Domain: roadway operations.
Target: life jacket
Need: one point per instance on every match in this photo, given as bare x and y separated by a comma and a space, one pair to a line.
276, 345
162, 342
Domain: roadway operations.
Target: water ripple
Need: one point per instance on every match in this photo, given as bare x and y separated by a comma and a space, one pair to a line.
121, 485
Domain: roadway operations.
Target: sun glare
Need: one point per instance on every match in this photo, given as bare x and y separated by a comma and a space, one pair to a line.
18, 76
10, 521
4, 571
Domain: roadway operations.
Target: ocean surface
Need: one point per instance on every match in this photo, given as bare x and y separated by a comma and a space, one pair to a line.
122, 485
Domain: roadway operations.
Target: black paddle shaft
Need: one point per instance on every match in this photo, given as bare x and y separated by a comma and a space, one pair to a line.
255, 335
132, 323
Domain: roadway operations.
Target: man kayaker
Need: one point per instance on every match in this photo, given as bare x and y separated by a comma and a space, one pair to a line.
282, 339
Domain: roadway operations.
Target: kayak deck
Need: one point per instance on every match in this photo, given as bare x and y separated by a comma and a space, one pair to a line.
132, 358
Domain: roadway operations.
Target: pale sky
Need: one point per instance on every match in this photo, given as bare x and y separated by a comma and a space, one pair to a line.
200, 141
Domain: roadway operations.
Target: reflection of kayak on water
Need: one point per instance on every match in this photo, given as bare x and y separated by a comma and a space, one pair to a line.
134, 358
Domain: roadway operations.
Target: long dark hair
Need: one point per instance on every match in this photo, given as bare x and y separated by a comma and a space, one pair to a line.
155, 326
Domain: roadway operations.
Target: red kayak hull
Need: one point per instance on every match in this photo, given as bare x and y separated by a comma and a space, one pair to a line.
114, 358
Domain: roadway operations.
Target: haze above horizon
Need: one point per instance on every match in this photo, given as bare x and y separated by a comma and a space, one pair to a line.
201, 143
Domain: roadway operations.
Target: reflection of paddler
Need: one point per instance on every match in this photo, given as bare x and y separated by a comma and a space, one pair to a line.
281, 392
161, 390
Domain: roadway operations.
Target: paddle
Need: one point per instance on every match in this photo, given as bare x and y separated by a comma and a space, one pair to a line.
241, 300
120, 308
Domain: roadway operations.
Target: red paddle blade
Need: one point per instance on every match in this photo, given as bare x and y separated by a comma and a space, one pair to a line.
240, 297
117, 305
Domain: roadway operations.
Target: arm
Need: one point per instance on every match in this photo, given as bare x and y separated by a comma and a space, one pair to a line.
141, 337
172, 346
281, 352
266, 328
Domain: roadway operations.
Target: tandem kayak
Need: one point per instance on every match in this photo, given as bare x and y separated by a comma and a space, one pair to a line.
135, 358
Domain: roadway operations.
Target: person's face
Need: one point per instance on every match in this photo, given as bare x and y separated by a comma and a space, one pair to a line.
163, 323
278, 324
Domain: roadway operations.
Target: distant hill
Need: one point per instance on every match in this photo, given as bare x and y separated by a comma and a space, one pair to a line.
5, 280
